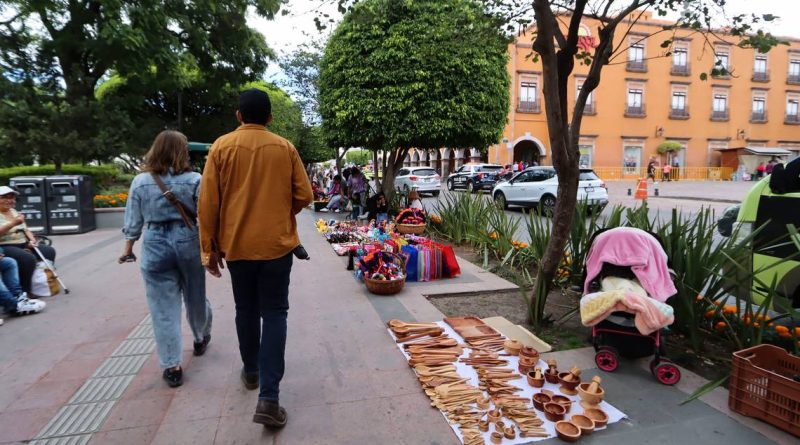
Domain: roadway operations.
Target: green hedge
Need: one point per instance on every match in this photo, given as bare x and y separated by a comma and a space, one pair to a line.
102, 175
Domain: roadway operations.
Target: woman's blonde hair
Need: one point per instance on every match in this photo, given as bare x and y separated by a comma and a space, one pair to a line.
170, 150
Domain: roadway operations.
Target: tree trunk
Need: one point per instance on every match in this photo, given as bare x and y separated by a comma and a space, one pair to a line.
58, 163
390, 169
375, 170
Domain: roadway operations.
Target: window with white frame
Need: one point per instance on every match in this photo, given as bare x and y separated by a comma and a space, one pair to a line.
589, 99
720, 102
792, 107
636, 49
794, 70
723, 58
680, 57
679, 100
760, 65
632, 156
527, 90
635, 97
586, 150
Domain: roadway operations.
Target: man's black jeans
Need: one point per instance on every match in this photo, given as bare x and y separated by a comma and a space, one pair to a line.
261, 293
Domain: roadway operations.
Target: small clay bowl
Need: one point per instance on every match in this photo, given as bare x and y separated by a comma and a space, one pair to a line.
510, 433
584, 423
512, 347
588, 397
499, 426
567, 384
497, 437
483, 403
539, 399
529, 352
526, 361
551, 378
567, 431
554, 412
494, 415
533, 381
483, 425
562, 400
599, 416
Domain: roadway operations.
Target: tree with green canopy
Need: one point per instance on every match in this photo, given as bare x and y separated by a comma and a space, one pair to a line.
61, 50
398, 74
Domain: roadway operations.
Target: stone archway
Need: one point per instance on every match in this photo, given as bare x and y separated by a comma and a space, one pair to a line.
448, 162
528, 150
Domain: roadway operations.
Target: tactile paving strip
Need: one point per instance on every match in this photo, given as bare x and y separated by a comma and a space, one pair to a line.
91, 404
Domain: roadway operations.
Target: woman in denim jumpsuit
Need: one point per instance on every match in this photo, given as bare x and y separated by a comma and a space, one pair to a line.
170, 262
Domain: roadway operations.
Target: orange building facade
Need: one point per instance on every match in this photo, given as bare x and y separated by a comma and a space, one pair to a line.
647, 97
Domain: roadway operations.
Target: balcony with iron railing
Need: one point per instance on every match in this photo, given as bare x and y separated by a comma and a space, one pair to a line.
679, 113
635, 111
681, 70
793, 119
758, 117
637, 66
719, 115
793, 79
529, 106
761, 76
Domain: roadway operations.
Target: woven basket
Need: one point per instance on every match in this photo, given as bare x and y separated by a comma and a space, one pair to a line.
410, 229
384, 287
388, 287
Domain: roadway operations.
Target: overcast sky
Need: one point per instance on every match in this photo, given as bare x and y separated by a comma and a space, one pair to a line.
287, 32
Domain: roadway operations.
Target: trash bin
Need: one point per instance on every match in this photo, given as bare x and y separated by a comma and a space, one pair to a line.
70, 206
31, 201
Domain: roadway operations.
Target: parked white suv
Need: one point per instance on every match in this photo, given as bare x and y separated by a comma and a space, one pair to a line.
540, 185
424, 179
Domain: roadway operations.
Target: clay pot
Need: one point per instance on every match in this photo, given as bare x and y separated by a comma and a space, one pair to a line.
494, 415
529, 352
524, 370
497, 437
482, 402
584, 423
527, 361
483, 425
499, 426
510, 433
567, 431
554, 412
539, 399
550, 378
512, 347
599, 416
568, 387
562, 400
590, 399
533, 381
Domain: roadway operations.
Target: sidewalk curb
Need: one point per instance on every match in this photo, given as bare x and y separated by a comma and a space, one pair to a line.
697, 198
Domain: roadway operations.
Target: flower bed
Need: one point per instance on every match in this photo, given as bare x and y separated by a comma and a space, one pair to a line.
110, 201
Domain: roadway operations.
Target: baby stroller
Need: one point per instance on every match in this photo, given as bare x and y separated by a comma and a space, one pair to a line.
617, 335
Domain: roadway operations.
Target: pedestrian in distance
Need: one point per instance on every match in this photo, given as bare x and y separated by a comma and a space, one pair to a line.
666, 170
253, 185
651, 170
161, 208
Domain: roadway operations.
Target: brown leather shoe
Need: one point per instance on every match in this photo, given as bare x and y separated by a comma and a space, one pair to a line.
270, 414
250, 380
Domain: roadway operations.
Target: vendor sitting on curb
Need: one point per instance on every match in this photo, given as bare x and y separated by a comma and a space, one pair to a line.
338, 196
377, 208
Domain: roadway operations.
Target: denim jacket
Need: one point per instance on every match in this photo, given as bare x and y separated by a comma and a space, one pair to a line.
146, 203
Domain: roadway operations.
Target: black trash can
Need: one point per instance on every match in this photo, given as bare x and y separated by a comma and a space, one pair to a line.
70, 204
32, 201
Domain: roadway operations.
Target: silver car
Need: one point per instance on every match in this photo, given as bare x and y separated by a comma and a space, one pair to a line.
424, 179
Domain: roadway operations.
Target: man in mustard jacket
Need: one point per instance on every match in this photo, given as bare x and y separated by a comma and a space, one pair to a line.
254, 184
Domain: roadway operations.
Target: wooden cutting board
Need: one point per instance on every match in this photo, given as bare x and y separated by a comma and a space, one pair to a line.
471, 327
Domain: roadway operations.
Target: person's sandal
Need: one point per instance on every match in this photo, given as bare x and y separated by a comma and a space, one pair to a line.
270, 414
173, 377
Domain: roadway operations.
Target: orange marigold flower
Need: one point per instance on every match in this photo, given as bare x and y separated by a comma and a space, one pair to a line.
757, 325
784, 335
797, 332
720, 325
729, 309
710, 314
781, 329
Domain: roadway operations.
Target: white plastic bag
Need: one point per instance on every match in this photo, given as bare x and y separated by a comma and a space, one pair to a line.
43, 283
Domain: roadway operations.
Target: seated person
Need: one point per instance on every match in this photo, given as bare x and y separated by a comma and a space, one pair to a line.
414, 202
377, 208
12, 298
17, 241
319, 194
337, 203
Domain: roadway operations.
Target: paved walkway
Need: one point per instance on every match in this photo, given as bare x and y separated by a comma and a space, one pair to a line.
84, 371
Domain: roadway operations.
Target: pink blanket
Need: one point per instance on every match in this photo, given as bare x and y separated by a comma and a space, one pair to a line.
627, 246
650, 315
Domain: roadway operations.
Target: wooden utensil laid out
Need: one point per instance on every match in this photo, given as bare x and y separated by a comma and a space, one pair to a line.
432, 332
398, 324
518, 410
472, 436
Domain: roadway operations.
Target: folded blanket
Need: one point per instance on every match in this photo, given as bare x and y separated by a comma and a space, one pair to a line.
650, 315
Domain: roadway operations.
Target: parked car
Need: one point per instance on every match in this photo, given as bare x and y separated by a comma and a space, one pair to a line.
474, 177
771, 206
424, 179
539, 185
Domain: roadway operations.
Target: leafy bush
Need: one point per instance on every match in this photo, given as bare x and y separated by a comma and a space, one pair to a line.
462, 215
102, 175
